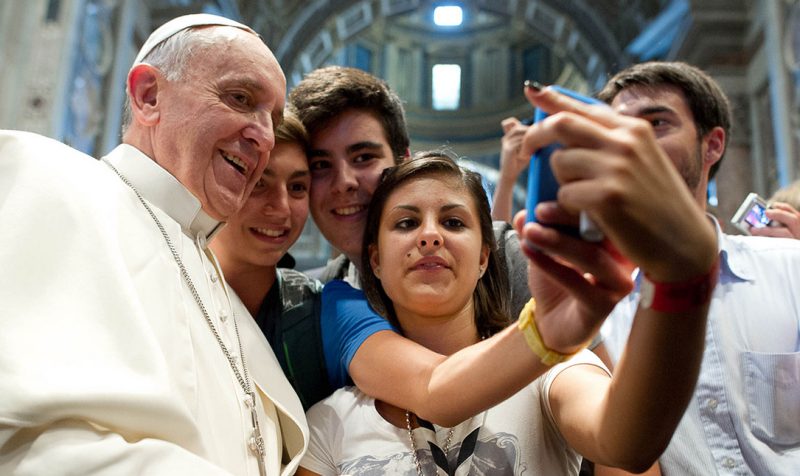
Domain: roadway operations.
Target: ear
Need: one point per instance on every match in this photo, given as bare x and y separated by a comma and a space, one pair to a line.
374, 260
715, 146
484, 260
143, 87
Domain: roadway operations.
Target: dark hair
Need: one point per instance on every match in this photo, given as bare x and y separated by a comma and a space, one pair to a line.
325, 93
709, 105
492, 292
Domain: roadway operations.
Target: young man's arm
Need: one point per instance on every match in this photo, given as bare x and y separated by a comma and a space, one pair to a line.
615, 169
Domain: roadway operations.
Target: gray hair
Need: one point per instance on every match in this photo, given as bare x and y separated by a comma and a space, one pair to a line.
171, 57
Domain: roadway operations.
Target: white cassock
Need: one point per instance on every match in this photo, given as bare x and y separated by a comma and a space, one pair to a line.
107, 365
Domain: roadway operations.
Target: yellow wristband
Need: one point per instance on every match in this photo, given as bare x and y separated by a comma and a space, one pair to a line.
527, 325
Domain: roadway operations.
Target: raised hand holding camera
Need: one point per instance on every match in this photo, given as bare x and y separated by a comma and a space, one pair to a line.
613, 167
752, 213
543, 186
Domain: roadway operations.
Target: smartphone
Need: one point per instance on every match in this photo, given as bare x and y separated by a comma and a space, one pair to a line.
751, 213
542, 185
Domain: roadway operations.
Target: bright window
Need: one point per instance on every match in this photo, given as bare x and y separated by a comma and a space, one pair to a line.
449, 15
446, 86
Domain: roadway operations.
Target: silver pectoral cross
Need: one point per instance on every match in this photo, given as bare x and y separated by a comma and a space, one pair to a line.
256, 442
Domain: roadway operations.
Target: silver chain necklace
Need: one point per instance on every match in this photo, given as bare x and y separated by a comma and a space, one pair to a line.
414, 445
256, 443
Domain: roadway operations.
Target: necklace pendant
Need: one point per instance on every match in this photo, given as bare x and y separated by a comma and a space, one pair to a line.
257, 447
256, 442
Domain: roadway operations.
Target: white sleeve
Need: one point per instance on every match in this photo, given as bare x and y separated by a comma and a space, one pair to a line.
584, 357
78, 447
617, 326
85, 386
325, 428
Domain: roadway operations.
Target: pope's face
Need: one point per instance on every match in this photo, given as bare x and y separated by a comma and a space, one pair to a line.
215, 125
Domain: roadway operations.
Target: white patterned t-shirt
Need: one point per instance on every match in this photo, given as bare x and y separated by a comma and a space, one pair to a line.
516, 437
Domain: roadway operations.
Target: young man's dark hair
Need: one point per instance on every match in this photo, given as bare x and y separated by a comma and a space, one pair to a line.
325, 93
709, 105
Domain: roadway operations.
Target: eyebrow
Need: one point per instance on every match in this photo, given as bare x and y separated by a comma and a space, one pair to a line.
368, 145
318, 153
295, 174
244, 82
363, 145
257, 86
649, 110
444, 208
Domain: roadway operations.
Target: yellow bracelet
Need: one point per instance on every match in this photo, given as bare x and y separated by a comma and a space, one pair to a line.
527, 325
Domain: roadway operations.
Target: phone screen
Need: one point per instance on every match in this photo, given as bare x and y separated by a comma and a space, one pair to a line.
752, 213
757, 216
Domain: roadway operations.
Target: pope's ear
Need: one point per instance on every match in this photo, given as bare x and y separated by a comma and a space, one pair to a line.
144, 81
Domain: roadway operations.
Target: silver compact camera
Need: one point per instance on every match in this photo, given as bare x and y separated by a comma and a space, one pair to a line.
752, 213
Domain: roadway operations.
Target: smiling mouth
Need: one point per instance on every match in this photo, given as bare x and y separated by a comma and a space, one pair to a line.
270, 232
236, 162
346, 211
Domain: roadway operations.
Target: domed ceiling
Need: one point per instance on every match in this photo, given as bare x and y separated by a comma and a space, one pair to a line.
498, 45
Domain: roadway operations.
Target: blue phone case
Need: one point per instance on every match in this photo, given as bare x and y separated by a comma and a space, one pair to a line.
542, 185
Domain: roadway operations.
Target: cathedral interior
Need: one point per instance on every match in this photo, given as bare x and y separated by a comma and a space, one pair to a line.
458, 65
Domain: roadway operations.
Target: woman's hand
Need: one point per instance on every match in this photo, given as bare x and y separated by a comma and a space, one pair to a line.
787, 219
613, 168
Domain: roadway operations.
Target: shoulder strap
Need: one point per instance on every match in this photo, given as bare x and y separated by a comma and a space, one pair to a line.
303, 358
501, 229
516, 264
335, 269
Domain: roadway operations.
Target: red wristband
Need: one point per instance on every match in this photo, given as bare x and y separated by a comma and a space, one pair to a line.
679, 297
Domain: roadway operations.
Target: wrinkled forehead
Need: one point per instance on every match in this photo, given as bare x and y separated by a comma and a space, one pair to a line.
235, 46
237, 59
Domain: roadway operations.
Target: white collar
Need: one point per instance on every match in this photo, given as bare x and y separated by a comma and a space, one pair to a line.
164, 191
728, 256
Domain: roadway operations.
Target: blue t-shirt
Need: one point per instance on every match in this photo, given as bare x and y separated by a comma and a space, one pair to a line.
347, 320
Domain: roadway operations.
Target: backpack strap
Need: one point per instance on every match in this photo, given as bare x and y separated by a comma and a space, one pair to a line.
303, 358
335, 269
501, 229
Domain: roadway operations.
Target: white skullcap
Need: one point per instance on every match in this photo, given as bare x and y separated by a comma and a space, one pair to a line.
181, 23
